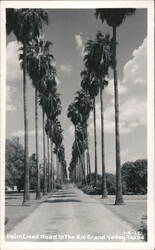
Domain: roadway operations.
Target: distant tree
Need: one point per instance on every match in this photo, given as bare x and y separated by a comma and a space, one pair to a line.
14, 157
33, 171
111, 183
134, 175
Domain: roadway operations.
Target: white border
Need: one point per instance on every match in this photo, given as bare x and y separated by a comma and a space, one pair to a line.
149, 4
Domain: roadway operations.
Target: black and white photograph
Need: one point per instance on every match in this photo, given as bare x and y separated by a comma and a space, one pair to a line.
77, 117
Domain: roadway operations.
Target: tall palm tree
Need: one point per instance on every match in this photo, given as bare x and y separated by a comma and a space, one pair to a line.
90, 85
47, 129
97, 60
84, 105
78, 112
57, 139
75, 118
114, 18
26, 25
46, 89
53, 110
39, 64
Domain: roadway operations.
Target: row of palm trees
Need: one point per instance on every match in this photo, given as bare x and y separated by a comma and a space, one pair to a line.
38, 64
99, 56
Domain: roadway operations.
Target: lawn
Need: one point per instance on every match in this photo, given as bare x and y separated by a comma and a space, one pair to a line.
132, 211
15, 211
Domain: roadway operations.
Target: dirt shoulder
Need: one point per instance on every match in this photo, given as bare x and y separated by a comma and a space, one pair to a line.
134, 208
15, 211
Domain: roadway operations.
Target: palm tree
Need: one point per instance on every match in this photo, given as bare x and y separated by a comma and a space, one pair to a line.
79, 112
47, 129
90, 85
114, 18
57, 139
98, 60
39, 64
75, 118
26, 25
84, 105
53, 109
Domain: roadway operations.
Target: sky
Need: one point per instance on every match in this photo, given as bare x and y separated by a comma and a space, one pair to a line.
69, 30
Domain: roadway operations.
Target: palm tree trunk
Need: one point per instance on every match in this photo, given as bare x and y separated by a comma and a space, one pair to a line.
75, 174
48, 164
104, 185
51, 169
119, 195
44, 156
57, 168
38, 195
80, 155
83, 156
88, 155
26, 196
95, 141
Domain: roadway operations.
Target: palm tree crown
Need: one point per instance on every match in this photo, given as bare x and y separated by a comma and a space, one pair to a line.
114, 17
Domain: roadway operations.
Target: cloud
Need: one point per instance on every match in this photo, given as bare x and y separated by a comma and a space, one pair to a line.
135, 70
70, 131
121, 88
20, 133
80, 43
13, 70
124, 155
79, 40
9, 92
132, 115
57, 80
132, 104
66, 68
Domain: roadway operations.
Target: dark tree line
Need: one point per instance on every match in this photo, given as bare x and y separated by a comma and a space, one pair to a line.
37, 63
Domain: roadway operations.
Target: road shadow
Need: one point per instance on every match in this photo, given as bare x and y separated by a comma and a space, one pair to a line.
11, 198
61, 192
62, 196
61, 200
12, 205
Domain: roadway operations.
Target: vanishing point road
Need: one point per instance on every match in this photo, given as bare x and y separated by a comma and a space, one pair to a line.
70, 215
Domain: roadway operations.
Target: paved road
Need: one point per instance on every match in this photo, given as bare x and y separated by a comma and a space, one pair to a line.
70, 215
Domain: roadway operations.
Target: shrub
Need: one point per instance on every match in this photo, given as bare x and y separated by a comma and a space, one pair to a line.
88, 189
134, 176
58, 186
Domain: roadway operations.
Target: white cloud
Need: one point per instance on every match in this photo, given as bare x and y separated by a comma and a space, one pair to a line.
133, 111
57, 80
135, 70
66, 68
80, 43
124, 154
132, 115
13, 69
9, 105
132, 105
70, 131
121, 88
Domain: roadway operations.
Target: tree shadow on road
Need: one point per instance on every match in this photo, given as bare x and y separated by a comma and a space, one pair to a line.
61, 200
62, 196
11, 198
